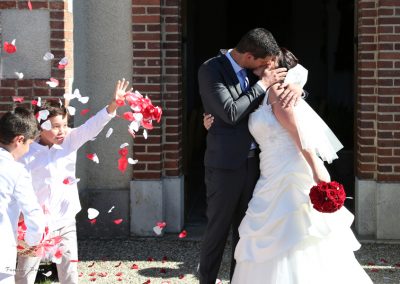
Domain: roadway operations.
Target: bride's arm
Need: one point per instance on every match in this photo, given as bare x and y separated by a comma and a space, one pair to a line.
285, 116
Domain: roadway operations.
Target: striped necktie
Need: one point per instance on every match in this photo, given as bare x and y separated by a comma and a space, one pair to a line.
244, 83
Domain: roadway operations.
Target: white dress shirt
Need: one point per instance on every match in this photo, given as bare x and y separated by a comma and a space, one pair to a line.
50, 166
16, 195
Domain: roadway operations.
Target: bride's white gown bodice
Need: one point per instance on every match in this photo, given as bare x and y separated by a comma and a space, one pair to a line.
283, 240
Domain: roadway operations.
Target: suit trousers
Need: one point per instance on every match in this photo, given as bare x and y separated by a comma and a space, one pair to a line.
228, 194
67, 270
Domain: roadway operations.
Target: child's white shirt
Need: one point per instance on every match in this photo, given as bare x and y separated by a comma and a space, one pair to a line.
16, 195
50, 166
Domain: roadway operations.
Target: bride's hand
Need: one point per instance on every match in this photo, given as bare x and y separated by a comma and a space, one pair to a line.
321, 174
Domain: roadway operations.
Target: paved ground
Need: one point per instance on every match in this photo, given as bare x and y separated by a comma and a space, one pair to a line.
173, 260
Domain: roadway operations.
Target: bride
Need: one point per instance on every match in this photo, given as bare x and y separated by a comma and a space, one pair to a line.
283, 240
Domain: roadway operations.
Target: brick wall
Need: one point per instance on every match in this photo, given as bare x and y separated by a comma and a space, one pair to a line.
378, 90
61, 44
157, 73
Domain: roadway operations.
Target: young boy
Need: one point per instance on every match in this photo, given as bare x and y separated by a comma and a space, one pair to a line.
17, 131
52, 160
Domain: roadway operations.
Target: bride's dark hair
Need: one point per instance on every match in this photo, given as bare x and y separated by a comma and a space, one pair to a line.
287, 59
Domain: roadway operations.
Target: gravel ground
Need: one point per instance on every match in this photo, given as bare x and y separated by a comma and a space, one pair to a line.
173, 260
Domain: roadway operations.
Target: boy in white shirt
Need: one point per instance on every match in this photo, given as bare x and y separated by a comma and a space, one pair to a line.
18, 129
52, 160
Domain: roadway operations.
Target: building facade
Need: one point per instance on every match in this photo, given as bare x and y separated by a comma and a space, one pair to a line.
152, 43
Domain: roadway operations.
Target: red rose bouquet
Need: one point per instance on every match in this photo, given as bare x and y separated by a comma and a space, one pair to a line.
327, 197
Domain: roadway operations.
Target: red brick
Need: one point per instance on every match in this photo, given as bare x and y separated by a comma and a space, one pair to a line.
8, 5
383, 3
388, 177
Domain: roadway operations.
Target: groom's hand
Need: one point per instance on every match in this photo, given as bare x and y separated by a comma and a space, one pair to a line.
269, 77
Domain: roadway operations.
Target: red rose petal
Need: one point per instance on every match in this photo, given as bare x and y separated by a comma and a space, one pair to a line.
183, 234
9, 47
118, 274
118, 221
80, 274
92, 273
102, 274
134, 266
119, 279
92, 221
93, 279
29, 5
85, 111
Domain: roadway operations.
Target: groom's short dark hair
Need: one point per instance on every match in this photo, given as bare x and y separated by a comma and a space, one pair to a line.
259, 42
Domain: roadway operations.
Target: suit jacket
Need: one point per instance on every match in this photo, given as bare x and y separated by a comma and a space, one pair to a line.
228, 139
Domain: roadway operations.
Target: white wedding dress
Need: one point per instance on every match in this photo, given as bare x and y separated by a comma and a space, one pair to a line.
283, 240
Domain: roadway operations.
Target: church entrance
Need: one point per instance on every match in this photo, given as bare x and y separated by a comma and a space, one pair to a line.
319, 33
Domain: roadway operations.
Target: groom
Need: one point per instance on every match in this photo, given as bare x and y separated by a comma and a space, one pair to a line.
230, 92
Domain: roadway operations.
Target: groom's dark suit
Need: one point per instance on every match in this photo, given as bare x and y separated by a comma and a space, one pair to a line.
231, 169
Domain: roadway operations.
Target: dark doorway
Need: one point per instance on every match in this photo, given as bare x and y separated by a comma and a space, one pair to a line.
319, 33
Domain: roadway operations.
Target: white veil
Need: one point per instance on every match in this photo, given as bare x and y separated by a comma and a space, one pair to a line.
314, 134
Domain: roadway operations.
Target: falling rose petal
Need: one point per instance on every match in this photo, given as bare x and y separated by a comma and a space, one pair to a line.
128, 116
47, 274
92, 279
48, 56
52, 82
134, 266
109, 132
83, 100
118, 274
19, 75
91, 265
119, 279
134, 126
183, 234
85, 111
29, 5
63, 63
122, 164
118, 265
17, 99
43, 114
157, 230
92, 213
70, 180
46, 125
162, 225
145, 133
10, 47
71, 110
123, 145
102, 274
131, 132
120, 102
118, 221
111, 209
132, 161
93, 157
92, 273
